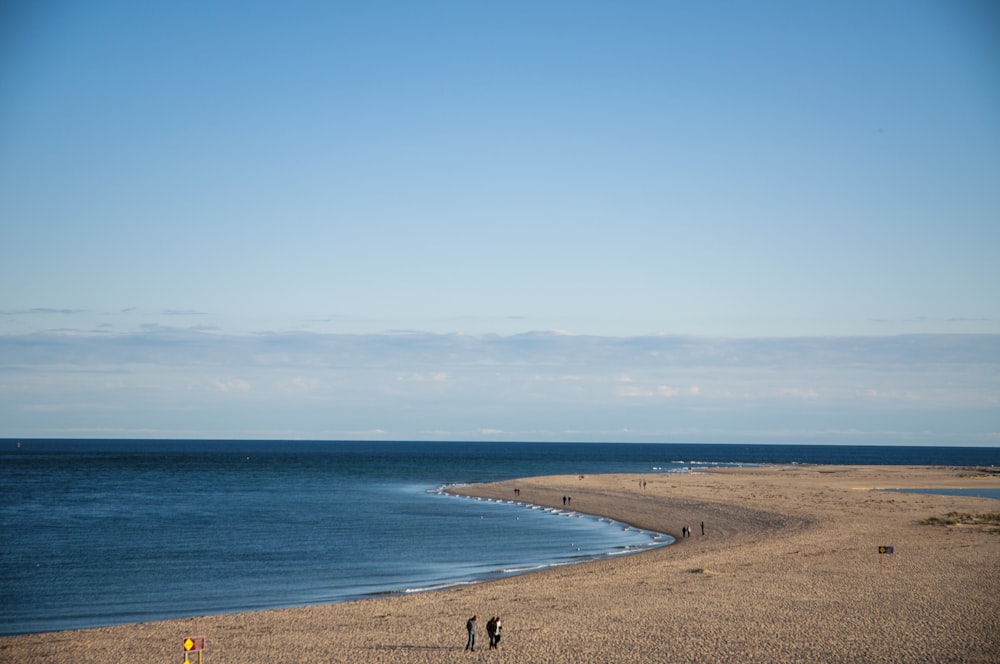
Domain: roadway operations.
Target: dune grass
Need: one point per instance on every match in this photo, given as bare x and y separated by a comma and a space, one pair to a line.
989, 521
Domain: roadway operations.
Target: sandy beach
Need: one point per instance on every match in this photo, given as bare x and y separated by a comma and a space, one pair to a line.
788, 570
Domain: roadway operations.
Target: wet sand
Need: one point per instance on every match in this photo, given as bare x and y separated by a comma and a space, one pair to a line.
788, 570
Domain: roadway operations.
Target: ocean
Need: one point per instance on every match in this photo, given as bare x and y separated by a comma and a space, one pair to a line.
104, 532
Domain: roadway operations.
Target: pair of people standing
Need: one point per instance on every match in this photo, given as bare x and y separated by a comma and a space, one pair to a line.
493, 627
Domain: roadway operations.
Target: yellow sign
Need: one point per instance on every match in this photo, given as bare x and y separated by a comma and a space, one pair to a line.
194, 643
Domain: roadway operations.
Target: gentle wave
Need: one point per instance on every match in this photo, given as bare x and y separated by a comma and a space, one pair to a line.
439, 586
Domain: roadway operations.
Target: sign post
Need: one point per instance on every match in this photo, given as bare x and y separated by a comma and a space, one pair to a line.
884, 551
192, 644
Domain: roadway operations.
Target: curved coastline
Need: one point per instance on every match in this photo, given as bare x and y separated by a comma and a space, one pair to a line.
788, 571
645, 509
480, 492
653, 540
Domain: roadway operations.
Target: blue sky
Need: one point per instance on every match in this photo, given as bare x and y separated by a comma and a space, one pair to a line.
366, 220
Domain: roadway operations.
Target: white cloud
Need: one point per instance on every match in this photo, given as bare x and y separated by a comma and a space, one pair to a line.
231, 385
798, 393
433, 377
299, 384
646, 392
537, 386
557, 378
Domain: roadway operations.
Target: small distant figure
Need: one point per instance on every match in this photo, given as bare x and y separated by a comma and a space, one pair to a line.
517, 492
684, 532
569, 500
702, 527
564, 501
470, 627
689, 531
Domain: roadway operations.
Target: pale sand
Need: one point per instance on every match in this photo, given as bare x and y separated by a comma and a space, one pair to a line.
788, 571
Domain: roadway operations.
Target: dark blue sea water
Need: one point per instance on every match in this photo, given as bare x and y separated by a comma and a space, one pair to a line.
101, 532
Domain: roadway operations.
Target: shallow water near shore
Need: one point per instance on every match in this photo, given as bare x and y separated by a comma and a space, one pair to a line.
993, 494
108, 532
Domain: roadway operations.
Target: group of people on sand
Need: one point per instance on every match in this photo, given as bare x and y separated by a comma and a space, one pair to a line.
686, 530
493, 627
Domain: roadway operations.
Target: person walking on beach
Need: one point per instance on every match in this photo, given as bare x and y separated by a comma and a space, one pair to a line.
702, 527
491, 631
470, 627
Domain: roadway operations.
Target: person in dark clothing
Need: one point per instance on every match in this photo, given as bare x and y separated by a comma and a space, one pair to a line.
491, 631
470, 627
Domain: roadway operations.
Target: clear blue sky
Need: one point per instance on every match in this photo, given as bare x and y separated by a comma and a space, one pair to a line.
269, 178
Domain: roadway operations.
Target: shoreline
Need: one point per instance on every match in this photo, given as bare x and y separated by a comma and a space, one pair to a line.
788, 570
